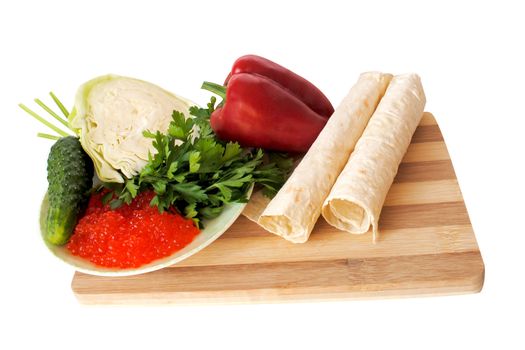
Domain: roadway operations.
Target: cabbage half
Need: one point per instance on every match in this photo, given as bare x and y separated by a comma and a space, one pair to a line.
111, 112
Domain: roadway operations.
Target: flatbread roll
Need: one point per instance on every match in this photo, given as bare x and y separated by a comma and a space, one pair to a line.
258, 201
292, 213
256, 205
356, 199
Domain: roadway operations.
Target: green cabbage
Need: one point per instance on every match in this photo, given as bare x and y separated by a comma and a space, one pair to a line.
110, 114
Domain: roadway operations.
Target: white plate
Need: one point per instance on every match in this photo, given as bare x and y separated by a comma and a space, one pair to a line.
213, 230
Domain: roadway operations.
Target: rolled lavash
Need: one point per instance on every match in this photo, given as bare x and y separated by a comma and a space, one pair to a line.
256, 205
258, 201
292, 213
357, 197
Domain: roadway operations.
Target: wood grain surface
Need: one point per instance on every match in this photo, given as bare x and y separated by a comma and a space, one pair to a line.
426, 247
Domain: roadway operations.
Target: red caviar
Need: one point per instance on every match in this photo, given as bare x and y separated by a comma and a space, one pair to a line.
129, 236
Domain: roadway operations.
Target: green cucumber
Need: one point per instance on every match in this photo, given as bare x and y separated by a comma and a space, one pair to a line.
70, 178
69, 174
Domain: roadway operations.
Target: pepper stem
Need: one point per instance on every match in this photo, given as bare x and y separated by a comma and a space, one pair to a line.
217, 89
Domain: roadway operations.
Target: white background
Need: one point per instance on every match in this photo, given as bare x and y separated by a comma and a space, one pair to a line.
471, 60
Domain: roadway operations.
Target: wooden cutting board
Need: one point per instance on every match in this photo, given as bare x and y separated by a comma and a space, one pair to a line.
426, 247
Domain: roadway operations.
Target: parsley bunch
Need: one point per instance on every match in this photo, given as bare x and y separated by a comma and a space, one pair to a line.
195, 172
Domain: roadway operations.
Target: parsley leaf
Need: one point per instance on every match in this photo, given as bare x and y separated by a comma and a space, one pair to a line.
197, 173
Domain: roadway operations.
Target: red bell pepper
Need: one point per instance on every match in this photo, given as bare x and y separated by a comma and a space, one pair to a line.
267, 106
297, 85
